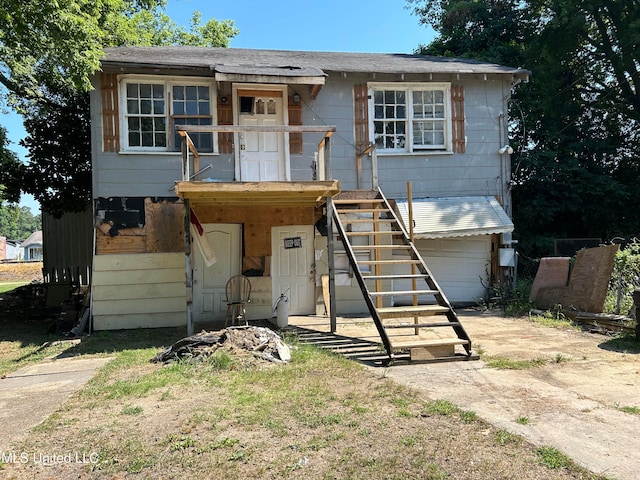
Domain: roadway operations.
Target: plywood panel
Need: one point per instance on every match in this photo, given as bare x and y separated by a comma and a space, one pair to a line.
165, 226
106, 245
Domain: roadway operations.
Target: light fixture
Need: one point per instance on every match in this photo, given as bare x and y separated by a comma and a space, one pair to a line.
295, 98
223, 100
506, 149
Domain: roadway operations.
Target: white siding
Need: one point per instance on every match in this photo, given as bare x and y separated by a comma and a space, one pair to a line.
138, 291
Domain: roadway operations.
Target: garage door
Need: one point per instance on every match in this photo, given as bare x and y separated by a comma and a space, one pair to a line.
460, 265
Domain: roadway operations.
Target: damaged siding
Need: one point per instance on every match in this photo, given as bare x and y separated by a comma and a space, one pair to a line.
138, 290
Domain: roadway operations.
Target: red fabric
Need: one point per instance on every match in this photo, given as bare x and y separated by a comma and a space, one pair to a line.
196, 223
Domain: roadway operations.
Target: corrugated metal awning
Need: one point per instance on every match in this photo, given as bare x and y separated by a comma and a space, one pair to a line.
455, 216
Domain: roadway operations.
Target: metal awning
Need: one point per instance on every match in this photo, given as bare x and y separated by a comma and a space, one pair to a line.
455, 216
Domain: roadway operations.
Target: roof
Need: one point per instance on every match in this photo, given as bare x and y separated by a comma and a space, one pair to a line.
34, 239
455, 216
225, 59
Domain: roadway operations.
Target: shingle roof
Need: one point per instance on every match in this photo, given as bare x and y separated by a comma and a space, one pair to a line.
208, 58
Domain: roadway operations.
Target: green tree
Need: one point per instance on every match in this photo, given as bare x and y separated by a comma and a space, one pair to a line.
47, 80
17, 223
575, 124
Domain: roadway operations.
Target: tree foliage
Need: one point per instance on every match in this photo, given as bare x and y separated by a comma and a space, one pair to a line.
48, 50
17, 223
575, 123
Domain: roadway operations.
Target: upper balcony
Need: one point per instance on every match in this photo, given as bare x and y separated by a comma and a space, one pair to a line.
262, 170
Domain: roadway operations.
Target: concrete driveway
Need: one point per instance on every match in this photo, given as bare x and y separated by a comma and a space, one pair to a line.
572, 402
29, 395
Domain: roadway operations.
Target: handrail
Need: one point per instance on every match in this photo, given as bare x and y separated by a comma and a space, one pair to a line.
324, 167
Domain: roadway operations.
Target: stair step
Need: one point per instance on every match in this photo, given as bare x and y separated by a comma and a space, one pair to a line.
363, 234
403, 293
420, 342
389, 262
425, 325
356, 201
362, 210
411, 310
381, 247
395, 277
348, 221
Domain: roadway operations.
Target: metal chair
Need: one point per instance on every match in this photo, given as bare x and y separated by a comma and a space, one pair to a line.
238, 291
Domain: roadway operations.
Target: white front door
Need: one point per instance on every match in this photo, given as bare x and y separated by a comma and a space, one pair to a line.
262, 154
292, 267
209, 299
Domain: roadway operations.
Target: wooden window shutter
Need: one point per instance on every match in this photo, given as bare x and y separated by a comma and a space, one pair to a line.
457, 119
295, 118
361, 117
225, 117
110, 118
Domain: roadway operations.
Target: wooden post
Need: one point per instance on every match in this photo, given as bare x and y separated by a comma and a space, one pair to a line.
330, 245
414, 283
188, 266
374, 168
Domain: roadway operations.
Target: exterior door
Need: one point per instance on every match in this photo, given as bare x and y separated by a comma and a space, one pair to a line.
262, 154
209, 299
292, 267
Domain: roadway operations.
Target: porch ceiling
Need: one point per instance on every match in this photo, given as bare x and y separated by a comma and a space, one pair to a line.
312, 193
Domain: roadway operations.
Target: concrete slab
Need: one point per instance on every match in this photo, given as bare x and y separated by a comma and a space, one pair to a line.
572, 403
29, 395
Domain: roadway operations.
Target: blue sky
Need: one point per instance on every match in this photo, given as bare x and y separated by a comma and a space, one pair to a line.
379, 26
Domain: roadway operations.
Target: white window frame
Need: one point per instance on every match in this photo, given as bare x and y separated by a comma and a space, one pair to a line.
168, 83
409, 88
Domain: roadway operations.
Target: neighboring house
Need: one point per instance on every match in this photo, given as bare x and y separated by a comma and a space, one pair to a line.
32, 247
277, 135
13, 250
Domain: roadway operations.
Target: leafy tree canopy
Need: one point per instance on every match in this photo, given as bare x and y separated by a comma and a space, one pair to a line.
575, 125
48, 50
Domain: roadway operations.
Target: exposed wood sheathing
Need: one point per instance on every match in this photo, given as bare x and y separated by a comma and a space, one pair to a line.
163, 232
165, 226
257, 221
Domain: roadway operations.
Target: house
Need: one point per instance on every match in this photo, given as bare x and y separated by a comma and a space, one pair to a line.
241, 152
32, 247
13, 249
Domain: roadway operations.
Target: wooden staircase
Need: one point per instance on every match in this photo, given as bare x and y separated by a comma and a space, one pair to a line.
382, 257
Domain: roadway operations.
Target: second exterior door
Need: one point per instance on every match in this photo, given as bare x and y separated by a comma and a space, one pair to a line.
262, 154
292, 269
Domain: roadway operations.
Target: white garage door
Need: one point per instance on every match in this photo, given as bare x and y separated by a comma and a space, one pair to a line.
460, 265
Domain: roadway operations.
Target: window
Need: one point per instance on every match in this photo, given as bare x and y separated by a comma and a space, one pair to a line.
153, 108
409, 118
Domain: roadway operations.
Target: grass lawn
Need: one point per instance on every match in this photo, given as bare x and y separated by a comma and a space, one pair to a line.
8, 286
232, 416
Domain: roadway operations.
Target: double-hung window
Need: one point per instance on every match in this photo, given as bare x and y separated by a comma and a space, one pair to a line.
153, 107
411, 117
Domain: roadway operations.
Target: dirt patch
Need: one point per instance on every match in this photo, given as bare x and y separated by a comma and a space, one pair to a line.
21, 271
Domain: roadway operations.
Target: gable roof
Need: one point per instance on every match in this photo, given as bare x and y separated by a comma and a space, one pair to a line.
225, 59
34, 239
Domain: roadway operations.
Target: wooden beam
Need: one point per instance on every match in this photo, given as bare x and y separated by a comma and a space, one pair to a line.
257, 128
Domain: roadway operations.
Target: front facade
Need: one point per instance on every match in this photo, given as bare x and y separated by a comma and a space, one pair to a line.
212, 162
